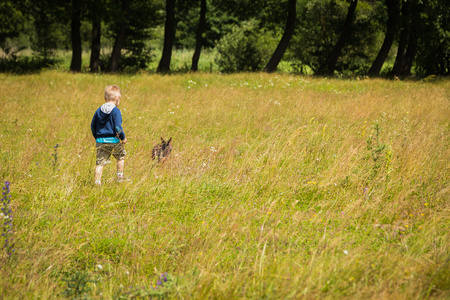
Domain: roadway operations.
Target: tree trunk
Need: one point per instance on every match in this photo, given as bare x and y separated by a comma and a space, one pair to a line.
96, 35
411, 51
120, 39
399, 63
334, 55
393, 8
284, 42
199, 38
169, 36
75, 65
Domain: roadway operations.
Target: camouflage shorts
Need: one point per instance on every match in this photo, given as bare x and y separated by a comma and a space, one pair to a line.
104, 151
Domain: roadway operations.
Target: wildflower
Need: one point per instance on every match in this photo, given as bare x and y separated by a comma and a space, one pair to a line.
345, 252
8, 223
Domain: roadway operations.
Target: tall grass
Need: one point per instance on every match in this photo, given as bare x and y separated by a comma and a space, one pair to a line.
278, 187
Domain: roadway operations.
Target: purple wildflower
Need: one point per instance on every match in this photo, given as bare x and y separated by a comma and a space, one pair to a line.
8, 224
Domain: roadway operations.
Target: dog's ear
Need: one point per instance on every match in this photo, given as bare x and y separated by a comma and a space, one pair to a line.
169, 142
162, 141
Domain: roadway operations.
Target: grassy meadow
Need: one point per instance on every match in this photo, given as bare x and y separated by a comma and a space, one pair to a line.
278, 187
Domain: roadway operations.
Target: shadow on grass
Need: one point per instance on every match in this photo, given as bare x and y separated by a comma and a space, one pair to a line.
27, 64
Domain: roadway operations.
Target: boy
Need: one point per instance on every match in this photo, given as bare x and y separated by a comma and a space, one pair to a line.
107, 130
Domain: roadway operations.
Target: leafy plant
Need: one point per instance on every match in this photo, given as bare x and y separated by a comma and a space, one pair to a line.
78, 284
246, 48
376, 150
55, 157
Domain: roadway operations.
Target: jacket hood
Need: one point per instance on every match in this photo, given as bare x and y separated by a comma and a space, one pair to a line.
107, 107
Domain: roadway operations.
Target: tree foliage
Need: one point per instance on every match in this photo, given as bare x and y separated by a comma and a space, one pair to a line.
320, 26
414, 33
245, 48
12, 23
433, 54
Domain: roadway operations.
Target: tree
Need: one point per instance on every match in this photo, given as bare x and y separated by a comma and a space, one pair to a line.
120, 36
319, 28
245, 48
12, 22
393, 9
334, 55
169, 36
433, 53
407, 46
50, 26
95, 9
199, 36
284, 42
75, 65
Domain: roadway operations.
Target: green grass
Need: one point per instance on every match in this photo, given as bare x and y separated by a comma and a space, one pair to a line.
181, 61
278, 187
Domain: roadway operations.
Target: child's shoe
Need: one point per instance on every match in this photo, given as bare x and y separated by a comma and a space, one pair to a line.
123, 179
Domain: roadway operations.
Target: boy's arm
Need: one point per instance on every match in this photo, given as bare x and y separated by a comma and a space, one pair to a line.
117, 119
93, 127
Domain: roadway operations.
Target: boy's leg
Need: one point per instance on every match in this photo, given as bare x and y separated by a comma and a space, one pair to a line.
98, 174
103, 154
120, 153
120, 177
120, 166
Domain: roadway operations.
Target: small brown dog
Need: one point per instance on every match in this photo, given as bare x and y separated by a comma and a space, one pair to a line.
162, 151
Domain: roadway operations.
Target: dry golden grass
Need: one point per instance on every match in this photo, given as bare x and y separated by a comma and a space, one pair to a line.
278, 187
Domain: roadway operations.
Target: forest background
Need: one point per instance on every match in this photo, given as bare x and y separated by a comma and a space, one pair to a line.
322, 37
279, 186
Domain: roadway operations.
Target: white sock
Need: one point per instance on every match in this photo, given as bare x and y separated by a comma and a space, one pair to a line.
120, 175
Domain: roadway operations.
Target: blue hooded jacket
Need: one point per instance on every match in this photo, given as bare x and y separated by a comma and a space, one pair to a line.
106, 118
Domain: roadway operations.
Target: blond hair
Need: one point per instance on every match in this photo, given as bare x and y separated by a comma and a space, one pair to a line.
112, 93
